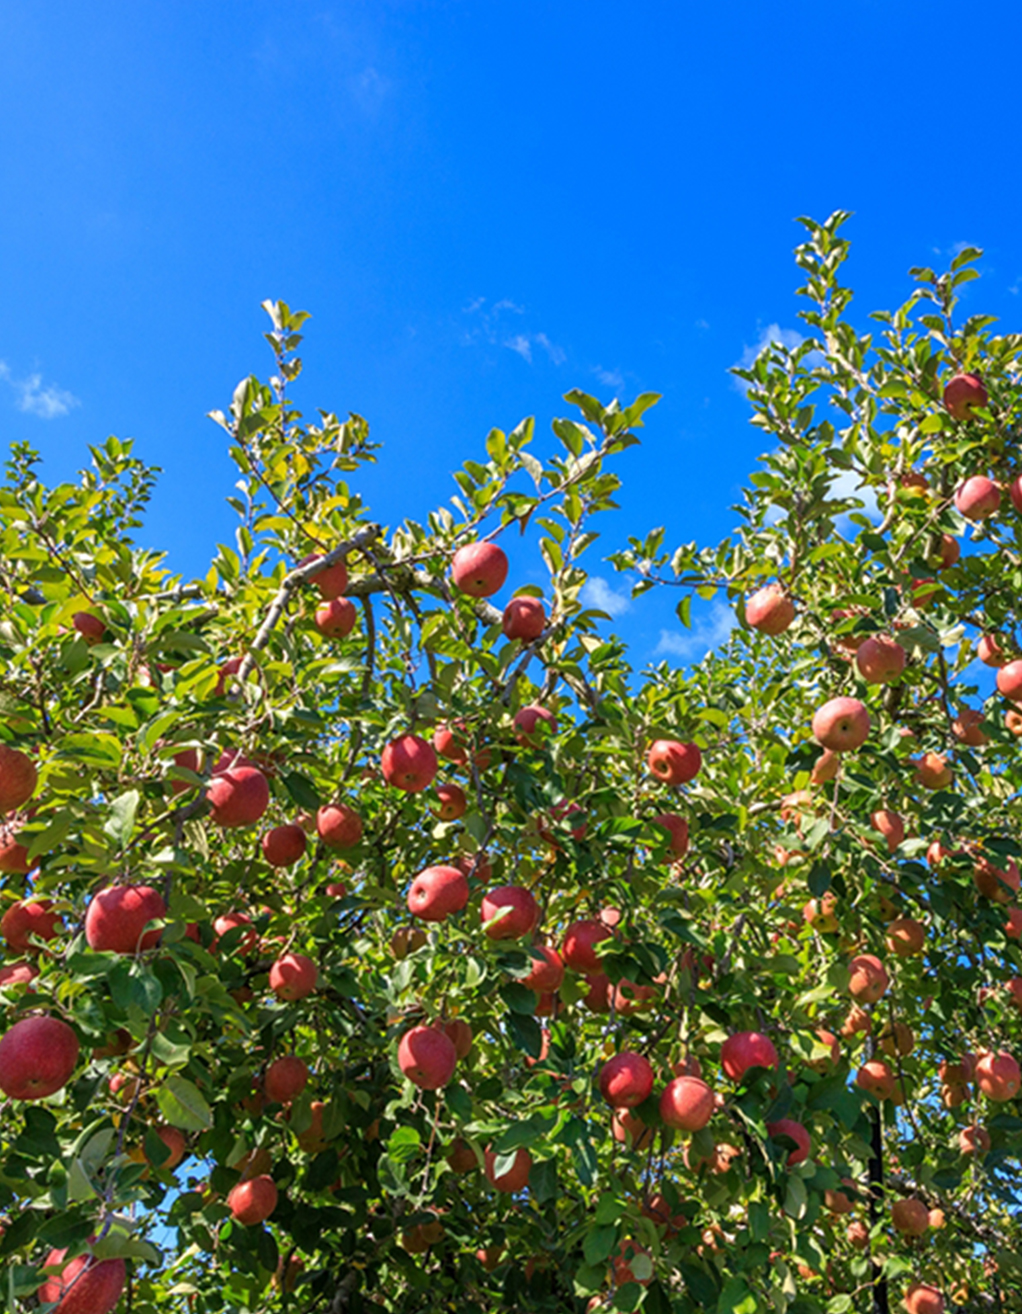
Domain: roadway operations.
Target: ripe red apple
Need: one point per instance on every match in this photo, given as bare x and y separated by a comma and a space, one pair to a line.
18, 778
597, 998
437, 892
238, 797
1015, 492
37, 1057
997, 1075
1009, 680
796, 1132
837, 1202
409, 763
285, 1079
580, 939
331, 580
974, 1139
117, 917
948, 553
827, 1063
880, 659
629, 1130
674, 763
932, 771
451, 802
283, 846
677, 830
533, 724
626, 1080
825, 768
989, 650
479, 569
629, 998
459, 1033
906, 937
967, 728
28, 918
868, 980
978, 498
858, 1234
962, 394
175, 1142
770, 610
247, 943
518, 912
841, 724
230, 667
898, 1040
338, 826
13, 856
876, 1077
910, 1216
547, 971
745, 1050
461, 1157
336, 619
524, 618
921, 1298
687, 1103
997, 883
12, 974
92, 628
84, 1286
517, 1176
427, 1057
451, 741
1013, 925
293, 976
254, 1200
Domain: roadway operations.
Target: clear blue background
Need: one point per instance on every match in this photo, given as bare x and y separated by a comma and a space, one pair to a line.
482, 204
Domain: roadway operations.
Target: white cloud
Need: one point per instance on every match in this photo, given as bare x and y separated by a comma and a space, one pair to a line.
773, 333
610, 378
555, 353
596, 592
520, 343
489, 325
847, 485
702, 324
48, 403
708, 633
369, 89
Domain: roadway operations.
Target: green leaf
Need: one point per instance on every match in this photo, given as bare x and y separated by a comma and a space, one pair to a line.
599, 1243
121, 821
182, 1105
736, 1298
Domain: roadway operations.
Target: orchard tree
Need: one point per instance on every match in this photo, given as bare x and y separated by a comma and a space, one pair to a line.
378, 939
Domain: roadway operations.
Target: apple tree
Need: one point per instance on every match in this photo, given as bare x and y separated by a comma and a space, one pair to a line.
378, 938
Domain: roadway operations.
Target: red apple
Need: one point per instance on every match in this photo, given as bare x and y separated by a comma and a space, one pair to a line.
841, 724
770, 610
246, 944
910, 1216
989, 650
338, 826
18, 778
517, 1176
118, 915
677, 830
580, 939
13, 856
796, 1132
547, 971
516, 909
1015, 492
825, 768
626, 1080
978, 498
932, 771
461, 1157
880, 659
459, 1033
293, 976
37, 1057
283, 846
85, 1286
285, 1079
868, 980
921, 1298
687, 1103
92, 628
238, 797
409, 763
253, 1201
331, 580
949, 552
12, 974
997, 1075
479, 569
967, 728
1013, 925
524, 618
906, 937
876, 1077
629, 1130
451, 802
674, 763
962, 394
230, 667
437, 892
336, 619
450, 741
533, 724
745, 1050
974, 1139
597, 998
28, 918
890, 825
175, 1142
1009, 680
427, 1057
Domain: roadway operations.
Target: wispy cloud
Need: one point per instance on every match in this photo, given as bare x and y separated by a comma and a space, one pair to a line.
610, 378
702, 324
31, 396
846, 484
708, 633
772, 334
597, 593
369, 89
489, 324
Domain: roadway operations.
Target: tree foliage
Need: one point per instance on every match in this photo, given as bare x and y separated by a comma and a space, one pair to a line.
153, 708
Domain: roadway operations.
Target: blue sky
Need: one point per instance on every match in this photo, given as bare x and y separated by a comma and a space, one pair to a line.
482, 204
